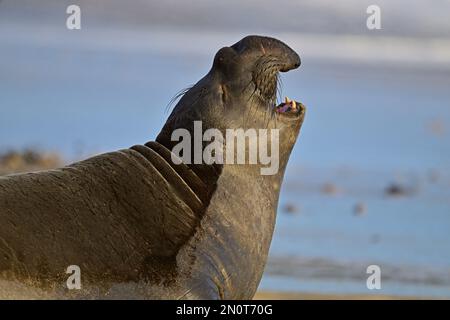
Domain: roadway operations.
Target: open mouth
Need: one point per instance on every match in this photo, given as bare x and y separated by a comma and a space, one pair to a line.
290, 108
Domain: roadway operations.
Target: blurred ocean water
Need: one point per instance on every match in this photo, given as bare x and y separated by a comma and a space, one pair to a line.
378, 115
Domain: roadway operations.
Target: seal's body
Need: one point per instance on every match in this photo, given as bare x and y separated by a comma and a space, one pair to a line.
140, 226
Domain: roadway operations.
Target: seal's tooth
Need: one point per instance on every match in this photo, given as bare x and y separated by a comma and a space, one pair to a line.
294, 105
287, 100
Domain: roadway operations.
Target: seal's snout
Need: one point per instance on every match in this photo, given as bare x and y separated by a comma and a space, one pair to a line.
293, 61
287, 59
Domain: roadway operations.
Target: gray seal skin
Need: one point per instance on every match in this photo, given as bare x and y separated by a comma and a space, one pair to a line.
140, 226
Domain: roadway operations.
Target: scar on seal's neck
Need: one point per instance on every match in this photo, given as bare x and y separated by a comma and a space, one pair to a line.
262, 48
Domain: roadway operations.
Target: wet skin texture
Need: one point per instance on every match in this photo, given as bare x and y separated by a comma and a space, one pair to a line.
140, 226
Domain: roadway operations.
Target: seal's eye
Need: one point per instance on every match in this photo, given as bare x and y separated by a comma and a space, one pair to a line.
225, 59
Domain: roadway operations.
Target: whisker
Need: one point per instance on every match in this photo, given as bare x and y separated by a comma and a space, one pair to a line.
250, 99
279, 87
176, 97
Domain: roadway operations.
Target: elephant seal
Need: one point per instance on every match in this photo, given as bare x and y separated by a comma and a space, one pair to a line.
138, 224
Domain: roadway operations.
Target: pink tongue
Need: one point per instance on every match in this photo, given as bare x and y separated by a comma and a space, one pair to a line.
284, 108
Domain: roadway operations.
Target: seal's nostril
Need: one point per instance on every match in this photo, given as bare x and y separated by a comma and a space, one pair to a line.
297, 62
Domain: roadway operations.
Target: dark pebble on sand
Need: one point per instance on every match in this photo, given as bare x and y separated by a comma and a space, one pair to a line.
360, 209
330, 188
395, 189
291, 209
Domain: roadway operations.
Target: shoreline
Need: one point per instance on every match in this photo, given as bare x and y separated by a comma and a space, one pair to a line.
274, 295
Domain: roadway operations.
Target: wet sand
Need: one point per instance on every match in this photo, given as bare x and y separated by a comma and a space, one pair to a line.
268, 295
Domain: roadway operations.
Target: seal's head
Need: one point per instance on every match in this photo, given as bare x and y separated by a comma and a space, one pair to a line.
250, 69
240, 91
